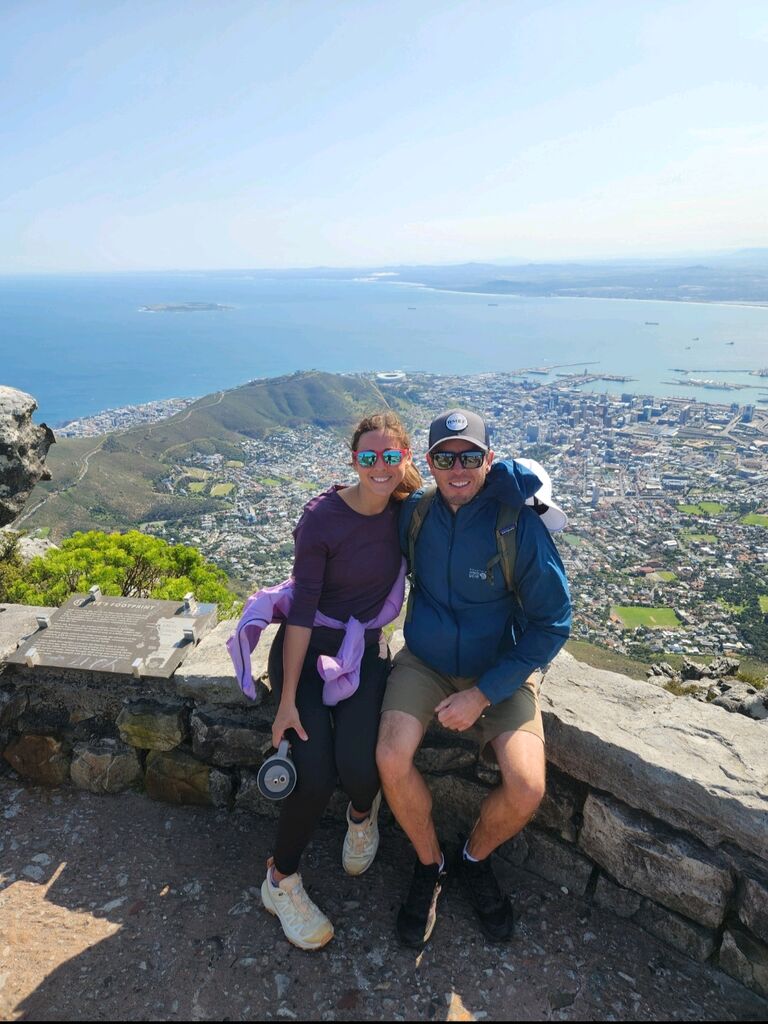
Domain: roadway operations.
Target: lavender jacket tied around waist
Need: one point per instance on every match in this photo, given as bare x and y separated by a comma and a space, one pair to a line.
340, 674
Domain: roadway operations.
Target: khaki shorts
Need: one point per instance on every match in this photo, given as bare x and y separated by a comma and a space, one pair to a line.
416, 689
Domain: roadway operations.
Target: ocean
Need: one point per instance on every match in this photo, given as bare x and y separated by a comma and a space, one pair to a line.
81, 344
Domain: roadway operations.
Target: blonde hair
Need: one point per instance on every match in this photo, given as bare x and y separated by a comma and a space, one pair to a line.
390, 423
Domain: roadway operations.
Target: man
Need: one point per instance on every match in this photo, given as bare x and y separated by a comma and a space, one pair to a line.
474, 648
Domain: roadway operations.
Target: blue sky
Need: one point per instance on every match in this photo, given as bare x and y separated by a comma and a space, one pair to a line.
155, 134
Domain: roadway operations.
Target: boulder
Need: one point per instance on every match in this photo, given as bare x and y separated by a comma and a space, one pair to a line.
690, 938
13, 703
756, 706
249, 798
681, 761
445, 759
176, 777
723, 666
733, 696
153, 724
41, 759
558, 862
104, 766
692, 670
23, 448
229, 737
620, 901
17, 622
561, 806
753, 906
745, 959
643, 855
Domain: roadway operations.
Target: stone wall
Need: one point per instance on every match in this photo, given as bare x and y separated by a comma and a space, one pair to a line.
656, 805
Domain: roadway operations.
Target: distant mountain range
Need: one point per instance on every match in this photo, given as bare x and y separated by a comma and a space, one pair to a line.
740, 276
114, 482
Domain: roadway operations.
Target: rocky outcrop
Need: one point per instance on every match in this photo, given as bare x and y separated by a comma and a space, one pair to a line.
23, 448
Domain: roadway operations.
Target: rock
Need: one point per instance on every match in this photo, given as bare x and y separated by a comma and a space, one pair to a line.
683, 762
23, 448
642, 855
562, 803
456, 802
104, 766
445, 759
221, 787
229, 737
176, 777
620, 901
515, 850
756, 706
723, 666
12, 704
690, 938
692, 670
745, 959
42, 759
668, 671
43, 721
558, 862
208, 676
152, 724
753, 906
249, 798
17, 622
733, 696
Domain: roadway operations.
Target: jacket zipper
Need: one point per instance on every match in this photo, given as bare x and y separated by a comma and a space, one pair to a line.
450, 587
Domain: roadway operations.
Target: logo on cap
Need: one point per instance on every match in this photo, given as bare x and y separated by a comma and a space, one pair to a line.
456, 422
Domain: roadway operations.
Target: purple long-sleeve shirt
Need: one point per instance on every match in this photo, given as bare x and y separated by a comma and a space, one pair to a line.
345, 564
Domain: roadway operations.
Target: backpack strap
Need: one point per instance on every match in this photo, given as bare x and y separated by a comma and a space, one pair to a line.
418, 516
506, 546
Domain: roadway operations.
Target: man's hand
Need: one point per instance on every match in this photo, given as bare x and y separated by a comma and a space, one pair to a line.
461, 710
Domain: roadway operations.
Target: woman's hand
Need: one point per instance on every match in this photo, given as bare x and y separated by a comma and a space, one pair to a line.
287, 717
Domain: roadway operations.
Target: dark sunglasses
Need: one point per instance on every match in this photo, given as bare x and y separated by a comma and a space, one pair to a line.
390, 457
468, 460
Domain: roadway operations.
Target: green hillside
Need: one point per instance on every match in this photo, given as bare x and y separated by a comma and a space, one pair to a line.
115, 482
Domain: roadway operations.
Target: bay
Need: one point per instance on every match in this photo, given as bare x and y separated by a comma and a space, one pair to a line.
81, 343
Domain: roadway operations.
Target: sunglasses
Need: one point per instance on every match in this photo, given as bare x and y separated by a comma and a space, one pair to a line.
468, 460
390, 457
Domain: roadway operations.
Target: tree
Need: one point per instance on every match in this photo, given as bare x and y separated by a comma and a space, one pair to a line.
130, 564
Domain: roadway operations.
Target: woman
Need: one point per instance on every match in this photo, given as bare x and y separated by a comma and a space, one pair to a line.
347, 562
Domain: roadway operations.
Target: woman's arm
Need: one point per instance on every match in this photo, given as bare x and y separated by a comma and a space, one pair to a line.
295, 646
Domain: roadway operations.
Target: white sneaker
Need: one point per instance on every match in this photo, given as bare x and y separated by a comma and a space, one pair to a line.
304, 924
361, 841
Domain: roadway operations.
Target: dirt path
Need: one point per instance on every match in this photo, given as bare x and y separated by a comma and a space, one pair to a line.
119, 908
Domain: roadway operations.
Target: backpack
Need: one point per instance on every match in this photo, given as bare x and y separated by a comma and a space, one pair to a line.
506, 543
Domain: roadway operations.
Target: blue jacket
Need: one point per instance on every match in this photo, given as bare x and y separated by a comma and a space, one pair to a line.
461, 625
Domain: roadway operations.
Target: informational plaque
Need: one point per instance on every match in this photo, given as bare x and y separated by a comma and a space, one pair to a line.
128, 635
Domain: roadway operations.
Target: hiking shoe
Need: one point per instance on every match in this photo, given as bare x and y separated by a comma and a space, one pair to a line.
361, 841
417, 914
492, 906
304, 924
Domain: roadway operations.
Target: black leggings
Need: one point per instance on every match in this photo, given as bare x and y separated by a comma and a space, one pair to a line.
341, 744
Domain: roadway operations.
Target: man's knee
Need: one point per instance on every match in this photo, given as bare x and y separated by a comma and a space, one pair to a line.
400, 735
523, 771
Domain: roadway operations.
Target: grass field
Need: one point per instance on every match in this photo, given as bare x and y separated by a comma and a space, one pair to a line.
235, 464
704, 508
652, 618
611, 661
572, 539
755, 519
197, 488
665, 576
763, 602
221, 490
701, 538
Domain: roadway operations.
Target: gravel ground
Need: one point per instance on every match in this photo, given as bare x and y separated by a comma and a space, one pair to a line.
123, 909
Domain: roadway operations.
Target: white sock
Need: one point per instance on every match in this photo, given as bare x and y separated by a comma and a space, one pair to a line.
272, 880
468, 856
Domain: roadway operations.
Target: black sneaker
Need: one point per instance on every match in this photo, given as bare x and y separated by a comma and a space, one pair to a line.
492, 906
417, 914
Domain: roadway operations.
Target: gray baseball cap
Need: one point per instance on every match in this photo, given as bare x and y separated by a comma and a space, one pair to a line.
461, 423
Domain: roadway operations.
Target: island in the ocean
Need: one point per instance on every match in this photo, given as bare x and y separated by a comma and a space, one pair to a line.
184, 307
